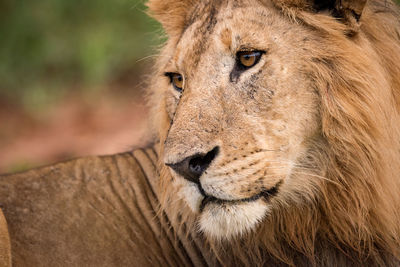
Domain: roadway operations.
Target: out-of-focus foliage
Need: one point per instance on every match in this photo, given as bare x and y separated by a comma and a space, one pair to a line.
48, 47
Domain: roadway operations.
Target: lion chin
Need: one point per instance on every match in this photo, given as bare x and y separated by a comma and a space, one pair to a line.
223, 221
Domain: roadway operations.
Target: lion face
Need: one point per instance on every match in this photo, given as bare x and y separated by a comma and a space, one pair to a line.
242, 112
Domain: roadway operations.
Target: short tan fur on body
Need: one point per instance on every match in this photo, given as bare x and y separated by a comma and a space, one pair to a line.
277, 127
5, 249
318, 114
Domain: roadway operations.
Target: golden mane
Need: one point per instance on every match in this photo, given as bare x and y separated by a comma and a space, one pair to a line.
358, 80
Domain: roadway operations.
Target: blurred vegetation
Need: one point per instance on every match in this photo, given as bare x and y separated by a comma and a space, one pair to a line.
49, 47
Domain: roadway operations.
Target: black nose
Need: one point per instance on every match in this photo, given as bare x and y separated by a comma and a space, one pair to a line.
191, 168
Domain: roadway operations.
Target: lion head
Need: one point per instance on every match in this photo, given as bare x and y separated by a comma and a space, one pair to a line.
279, 121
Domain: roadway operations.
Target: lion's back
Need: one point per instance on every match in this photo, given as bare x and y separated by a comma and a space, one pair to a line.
91, 211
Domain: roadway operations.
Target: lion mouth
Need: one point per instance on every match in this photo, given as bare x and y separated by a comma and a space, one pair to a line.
266, 194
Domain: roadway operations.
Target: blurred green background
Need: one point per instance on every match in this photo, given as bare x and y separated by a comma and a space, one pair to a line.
71, 78
48, 47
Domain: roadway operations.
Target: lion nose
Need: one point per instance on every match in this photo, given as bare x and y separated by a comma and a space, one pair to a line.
192, 167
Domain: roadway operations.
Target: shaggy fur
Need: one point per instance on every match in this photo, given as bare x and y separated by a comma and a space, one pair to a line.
340, 200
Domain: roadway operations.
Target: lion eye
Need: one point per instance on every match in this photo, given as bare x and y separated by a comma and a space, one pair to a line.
248, 59
176, 79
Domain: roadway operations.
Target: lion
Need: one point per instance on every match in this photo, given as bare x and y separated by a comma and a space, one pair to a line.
276, 129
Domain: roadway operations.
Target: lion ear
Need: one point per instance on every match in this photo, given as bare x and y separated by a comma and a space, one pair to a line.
349, 11
172, 14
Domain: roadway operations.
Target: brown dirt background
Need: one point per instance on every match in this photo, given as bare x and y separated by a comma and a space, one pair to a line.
109, 122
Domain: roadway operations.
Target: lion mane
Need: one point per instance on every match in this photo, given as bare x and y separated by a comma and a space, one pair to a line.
356, 217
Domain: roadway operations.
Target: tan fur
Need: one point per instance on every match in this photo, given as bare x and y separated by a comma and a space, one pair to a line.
5, 248
93, 211
320, 112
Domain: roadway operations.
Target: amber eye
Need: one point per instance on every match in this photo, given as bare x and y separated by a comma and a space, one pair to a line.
248, 59
176, 79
